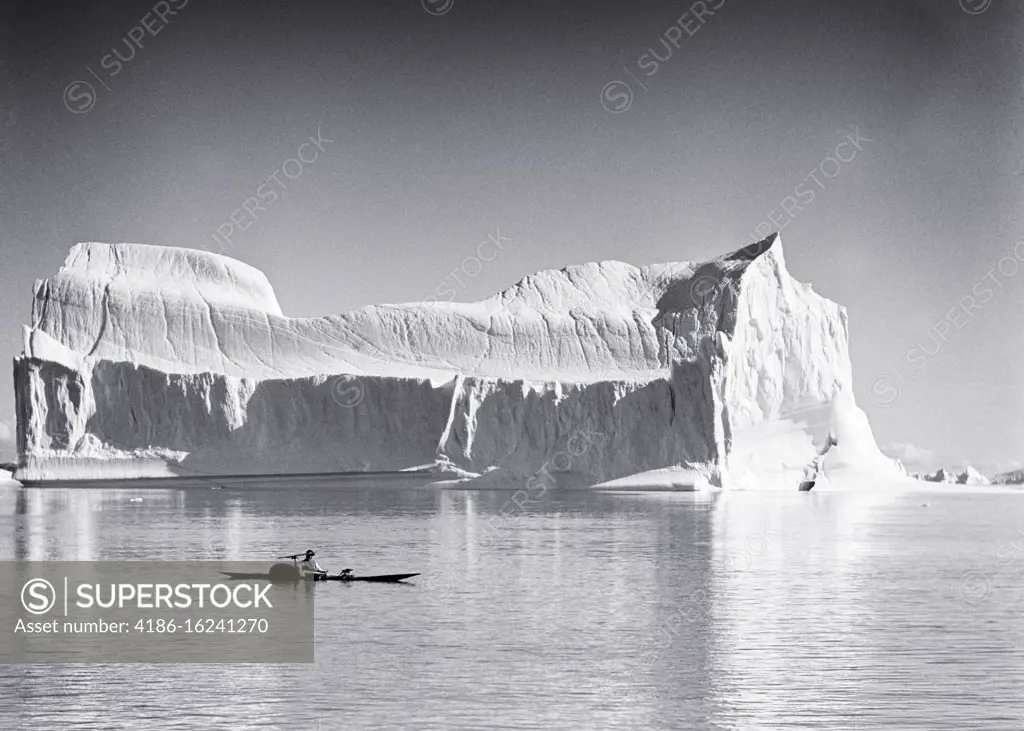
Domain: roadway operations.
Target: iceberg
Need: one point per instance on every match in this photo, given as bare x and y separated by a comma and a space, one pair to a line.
145, 361
968, 476
1012, 477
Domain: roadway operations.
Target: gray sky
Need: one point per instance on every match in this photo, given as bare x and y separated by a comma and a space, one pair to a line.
441, 128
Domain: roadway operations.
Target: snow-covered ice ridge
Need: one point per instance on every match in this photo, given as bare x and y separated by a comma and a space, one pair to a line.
153, 361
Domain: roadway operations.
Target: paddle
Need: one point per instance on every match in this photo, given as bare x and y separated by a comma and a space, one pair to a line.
297, 556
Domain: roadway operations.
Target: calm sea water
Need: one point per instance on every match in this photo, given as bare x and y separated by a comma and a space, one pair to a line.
582, 610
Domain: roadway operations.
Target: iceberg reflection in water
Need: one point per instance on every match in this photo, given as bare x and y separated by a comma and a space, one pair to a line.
581, 610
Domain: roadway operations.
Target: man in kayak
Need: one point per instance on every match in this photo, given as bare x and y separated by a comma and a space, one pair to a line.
308, 565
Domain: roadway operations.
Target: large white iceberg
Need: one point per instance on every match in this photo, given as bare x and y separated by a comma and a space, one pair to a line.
152, 361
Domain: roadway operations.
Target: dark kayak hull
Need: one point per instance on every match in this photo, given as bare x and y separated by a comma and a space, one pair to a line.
236, 576
382, 578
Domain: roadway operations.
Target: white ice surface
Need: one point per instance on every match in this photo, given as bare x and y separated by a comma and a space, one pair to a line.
144, 360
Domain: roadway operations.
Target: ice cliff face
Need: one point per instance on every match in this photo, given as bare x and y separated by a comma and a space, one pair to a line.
144, 360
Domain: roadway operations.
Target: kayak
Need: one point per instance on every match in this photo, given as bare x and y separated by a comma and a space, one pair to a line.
277, 576
350, 577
